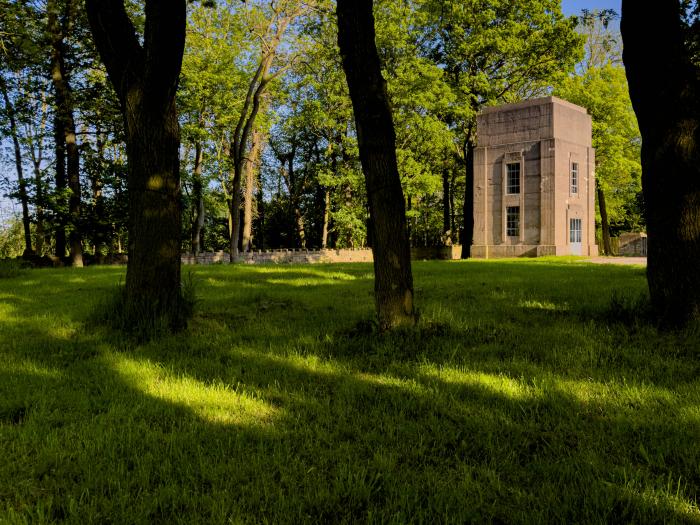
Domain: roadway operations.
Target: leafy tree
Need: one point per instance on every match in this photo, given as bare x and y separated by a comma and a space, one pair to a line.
604, 93
393, 280
495, 51
665, 93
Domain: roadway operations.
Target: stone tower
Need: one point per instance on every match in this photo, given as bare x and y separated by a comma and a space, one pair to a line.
534, 181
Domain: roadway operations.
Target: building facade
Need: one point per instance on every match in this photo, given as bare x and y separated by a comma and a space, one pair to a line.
534, 181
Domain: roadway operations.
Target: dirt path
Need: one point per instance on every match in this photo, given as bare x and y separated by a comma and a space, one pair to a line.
618, 260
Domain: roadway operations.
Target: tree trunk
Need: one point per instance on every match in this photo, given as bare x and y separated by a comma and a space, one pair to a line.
468, 210
60, 227
446, 215
234, 210
146, 79
23, 197
198, 200
97, 198
251, 167
665, 93
453, 227
64, 110
393, 280
605, 226
326, 217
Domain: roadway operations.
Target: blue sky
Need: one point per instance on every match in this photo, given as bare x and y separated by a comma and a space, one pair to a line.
573, 7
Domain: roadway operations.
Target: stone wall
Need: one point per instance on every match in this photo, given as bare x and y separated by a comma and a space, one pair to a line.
317, 256
632, 245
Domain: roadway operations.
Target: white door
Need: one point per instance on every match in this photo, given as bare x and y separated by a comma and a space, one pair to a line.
575, 236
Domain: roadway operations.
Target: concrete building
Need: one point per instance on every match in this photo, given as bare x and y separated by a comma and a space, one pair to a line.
534, 183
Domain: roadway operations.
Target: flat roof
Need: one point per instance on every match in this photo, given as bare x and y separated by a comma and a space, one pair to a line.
533, 102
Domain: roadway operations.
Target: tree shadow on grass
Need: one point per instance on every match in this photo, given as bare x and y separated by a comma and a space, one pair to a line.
328, 426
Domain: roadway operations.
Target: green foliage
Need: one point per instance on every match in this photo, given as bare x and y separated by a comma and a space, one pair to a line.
514, 401
10, 268
600, 86
11, 238
604, 93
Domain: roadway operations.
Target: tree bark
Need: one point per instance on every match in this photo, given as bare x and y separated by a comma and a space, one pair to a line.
60, 228
664, 88
146, 79
251, 167
604, 224
64, 109
326, 217
35, 142
393, 279
22, 183
198, 200
468, 209
446, 215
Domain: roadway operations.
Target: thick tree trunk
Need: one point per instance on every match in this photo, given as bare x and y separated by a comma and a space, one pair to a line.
22, 183
393, 280
146, 79
64, 110
251, 168
198, 200
604, 224
665, 93
153, 273
60, 227
468, 209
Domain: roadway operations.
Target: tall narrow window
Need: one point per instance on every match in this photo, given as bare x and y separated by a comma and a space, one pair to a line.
574, 178
513, 178
575, 231
513, 221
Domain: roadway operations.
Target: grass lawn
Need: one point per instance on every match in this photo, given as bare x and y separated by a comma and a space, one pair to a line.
527, 395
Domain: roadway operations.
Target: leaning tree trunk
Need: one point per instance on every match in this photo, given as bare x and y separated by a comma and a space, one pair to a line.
664, 89
393, 280
604, 224
468, 209
145, 77
64, 110
22, 183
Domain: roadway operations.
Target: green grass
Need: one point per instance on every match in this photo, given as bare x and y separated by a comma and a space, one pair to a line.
529, 394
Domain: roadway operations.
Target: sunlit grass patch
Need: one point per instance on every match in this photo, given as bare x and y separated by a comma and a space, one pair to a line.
517, 399
215, 402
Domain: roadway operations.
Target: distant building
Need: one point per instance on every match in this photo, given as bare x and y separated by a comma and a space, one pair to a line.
534, 181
